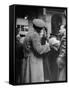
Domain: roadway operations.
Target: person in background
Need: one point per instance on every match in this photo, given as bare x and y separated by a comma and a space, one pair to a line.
19, 56
33, 63
20, 35
61, 60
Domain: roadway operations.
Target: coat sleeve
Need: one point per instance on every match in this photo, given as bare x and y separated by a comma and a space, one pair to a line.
37, 45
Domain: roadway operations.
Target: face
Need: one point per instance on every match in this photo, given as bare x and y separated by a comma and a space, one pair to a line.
41, 33
62, 30
21, 33
45, 33
21, 29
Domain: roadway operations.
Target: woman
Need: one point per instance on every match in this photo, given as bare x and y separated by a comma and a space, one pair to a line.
33, 62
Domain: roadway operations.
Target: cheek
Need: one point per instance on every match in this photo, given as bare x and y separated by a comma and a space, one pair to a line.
41, 34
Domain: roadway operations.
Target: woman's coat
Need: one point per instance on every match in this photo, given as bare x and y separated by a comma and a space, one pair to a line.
33, 61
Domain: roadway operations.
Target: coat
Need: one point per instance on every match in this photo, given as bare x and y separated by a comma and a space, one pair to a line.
33, 61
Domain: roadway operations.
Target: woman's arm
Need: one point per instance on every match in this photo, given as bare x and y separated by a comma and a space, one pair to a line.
37, 45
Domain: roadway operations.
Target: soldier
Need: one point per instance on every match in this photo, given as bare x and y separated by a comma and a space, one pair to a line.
33, 62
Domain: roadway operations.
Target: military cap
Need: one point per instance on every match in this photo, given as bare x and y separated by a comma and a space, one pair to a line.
39, 23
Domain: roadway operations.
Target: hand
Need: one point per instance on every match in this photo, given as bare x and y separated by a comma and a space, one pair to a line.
48, 47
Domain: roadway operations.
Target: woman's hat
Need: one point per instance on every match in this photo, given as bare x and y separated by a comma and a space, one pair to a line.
38, 23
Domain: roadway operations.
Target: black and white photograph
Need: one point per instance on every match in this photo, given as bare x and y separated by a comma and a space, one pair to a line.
38, 44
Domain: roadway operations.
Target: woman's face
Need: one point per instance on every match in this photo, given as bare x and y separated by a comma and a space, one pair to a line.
45, 33
41, 33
